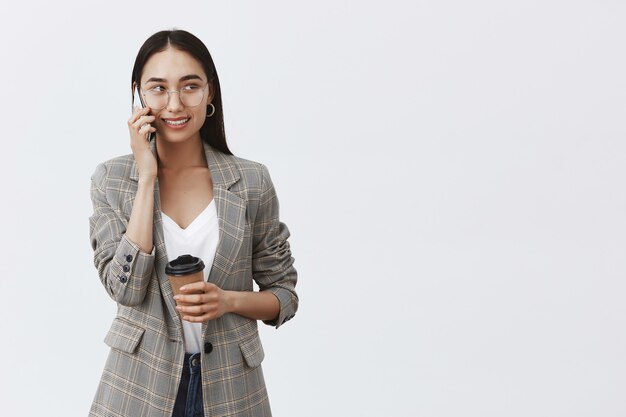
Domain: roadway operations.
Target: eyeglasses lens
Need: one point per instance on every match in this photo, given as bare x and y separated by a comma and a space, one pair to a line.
158, 99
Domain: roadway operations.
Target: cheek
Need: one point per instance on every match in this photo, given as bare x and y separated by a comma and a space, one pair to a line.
200, 116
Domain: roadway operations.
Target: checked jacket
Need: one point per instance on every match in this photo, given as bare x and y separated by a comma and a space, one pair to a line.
143, 369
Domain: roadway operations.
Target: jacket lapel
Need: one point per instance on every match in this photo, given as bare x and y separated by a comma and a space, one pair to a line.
231, 214
231, 217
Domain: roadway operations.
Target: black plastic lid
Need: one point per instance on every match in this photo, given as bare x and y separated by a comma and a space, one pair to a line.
184, 265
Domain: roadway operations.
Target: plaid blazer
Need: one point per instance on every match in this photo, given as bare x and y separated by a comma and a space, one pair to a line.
144, 366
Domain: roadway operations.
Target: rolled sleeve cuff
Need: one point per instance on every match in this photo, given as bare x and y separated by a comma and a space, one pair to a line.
131, 262
288, 306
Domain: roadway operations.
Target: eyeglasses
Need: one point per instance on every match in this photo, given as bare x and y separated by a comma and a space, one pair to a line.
190, 95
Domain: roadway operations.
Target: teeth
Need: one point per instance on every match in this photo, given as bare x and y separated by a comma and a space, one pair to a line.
176, 123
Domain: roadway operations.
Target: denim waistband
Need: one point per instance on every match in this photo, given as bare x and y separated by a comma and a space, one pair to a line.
192, 363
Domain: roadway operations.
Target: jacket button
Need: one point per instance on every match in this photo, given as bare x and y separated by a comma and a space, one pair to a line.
126, 268
208, 347
123, 279
129, 258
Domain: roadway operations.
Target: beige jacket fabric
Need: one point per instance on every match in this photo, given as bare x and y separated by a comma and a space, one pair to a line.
144, 366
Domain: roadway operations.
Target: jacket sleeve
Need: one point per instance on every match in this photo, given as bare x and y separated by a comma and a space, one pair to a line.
124, 270
272, 263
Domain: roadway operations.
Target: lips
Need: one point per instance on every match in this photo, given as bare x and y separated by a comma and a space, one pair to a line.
176, 122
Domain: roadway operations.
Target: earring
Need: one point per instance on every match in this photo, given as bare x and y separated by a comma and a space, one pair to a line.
212, 110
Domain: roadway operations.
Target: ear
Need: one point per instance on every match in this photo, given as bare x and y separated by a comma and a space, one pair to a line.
135, 94
211, 93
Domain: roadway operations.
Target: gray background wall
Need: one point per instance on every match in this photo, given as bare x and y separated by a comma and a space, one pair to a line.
452, 173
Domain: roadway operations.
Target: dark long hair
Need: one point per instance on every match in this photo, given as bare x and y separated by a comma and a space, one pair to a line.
212, 132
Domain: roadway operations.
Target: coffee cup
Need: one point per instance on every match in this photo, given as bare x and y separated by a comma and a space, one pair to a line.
185, 269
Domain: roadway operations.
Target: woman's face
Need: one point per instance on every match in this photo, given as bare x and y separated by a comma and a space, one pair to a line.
173, 69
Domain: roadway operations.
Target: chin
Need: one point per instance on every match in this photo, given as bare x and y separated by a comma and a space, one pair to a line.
179, 137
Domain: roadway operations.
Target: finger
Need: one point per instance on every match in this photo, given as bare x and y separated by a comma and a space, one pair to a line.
198, 319
202, 286
136, 116
140, 111
193, 310
191, 298
143, 120
145, 129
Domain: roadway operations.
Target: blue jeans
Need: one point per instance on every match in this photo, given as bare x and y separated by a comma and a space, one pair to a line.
189, 397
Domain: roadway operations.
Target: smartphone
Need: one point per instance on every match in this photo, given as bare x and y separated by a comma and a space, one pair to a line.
138, 99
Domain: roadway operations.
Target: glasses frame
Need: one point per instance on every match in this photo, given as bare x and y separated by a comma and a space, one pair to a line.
169, 97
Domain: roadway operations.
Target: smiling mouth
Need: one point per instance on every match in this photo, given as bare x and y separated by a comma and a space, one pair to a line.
178, 122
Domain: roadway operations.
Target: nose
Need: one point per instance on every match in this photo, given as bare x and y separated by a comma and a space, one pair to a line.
174, 104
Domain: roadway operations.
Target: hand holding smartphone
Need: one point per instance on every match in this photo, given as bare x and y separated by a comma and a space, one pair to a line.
141, 132
139, 99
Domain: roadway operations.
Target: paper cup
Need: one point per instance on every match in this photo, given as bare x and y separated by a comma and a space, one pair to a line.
184, 270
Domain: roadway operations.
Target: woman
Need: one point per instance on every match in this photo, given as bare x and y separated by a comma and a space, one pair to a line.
181, 191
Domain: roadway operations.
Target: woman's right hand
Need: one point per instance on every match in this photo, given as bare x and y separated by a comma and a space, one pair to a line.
139, 127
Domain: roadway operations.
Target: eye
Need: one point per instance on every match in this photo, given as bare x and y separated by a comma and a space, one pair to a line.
191, 87
157, 89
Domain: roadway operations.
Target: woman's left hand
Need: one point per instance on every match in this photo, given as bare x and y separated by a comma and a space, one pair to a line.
208, 302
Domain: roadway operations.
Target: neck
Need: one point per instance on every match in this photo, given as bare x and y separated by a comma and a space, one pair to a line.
181, 155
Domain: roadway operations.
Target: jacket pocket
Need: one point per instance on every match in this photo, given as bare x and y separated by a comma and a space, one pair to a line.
252, 351
124, 335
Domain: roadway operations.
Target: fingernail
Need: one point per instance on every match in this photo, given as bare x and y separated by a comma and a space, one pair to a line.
183, 288
177, 297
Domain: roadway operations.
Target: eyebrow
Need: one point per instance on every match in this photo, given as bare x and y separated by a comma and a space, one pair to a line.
184, 78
